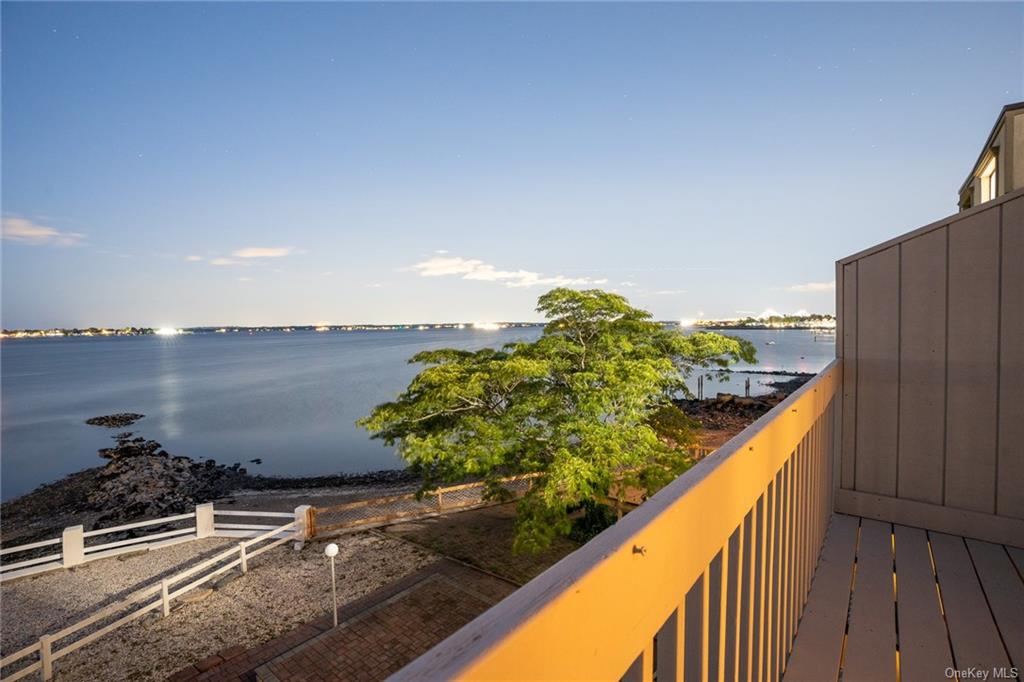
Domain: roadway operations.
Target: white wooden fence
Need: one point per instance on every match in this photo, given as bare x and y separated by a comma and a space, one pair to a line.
78, 546
158, 595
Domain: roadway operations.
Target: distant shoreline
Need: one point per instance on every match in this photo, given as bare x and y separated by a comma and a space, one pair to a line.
726, 327
104, 332
62, 332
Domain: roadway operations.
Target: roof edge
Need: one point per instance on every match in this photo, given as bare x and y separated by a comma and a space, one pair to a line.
988, 142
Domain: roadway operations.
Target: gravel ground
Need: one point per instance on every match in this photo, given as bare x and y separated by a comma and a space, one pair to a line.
283, 589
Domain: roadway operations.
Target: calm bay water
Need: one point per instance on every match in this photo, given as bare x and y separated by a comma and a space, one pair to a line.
290, 399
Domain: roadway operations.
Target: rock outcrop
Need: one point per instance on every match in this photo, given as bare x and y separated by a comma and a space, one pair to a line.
115, 421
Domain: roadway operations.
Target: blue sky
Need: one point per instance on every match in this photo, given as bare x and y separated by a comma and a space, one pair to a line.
258, 163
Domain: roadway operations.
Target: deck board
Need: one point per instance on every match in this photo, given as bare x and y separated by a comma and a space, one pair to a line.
1017, 555
1005, 592
956, 604
924, 642
871, 640
976, 642
819, 642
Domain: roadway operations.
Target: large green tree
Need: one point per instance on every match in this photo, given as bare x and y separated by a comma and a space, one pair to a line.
583, 406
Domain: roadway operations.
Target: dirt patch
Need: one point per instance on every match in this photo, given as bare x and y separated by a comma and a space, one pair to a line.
483, 538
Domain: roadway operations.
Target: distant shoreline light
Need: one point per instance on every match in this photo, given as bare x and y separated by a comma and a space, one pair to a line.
488, 326
167, 331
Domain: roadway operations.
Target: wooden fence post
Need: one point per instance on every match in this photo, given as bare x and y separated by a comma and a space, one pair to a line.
45, 657
242, 556
440, 500
204, 520
73, 546
165, 598
305, 524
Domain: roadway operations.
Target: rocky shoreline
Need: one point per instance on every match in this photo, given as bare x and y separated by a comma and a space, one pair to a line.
142, 480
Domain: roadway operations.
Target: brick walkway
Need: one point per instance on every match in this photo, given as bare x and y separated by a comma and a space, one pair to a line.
377, 634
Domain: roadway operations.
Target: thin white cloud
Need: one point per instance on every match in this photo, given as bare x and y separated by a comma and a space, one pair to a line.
812, 287
193, 259
224, 261
245, 279
442, 251
374, 285
264, 252
479, 271
627, 284
25, 231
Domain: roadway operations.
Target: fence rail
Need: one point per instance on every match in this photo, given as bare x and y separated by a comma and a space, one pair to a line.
692, 594
158, 595
79, 546
382, 510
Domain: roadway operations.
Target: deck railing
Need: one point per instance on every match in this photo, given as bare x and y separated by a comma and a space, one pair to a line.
708, 577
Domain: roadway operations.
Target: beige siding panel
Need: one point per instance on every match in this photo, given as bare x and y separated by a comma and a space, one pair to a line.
922, 367
972, 357
849, 387
1010, 495
836, 454
877, 372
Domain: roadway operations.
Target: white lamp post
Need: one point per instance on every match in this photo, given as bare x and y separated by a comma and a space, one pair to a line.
331, 551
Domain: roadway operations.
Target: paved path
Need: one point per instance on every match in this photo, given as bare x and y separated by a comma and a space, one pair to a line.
377, 634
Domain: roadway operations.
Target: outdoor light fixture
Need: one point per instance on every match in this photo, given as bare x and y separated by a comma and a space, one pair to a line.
331, 551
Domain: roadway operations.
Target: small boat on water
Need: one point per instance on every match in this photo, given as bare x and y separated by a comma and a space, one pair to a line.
769, 343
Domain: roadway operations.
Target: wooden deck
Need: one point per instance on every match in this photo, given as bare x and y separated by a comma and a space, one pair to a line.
889, 602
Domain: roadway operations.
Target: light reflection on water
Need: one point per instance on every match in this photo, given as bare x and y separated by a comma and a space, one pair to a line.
290, 399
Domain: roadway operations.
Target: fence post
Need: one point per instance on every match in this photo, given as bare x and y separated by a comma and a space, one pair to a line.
440, 499
73, 546
165, 598
204, 520
45, 657
241, 554
305, 524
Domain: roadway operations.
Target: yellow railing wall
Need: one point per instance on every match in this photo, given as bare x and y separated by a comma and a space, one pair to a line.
706, 580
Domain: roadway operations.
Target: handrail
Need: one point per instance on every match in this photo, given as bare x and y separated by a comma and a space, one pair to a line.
672, 572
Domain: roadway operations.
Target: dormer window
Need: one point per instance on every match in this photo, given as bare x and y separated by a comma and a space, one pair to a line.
988, 179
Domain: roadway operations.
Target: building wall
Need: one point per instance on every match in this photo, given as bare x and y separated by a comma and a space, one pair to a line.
1007, 140
1018, 152
931, 334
